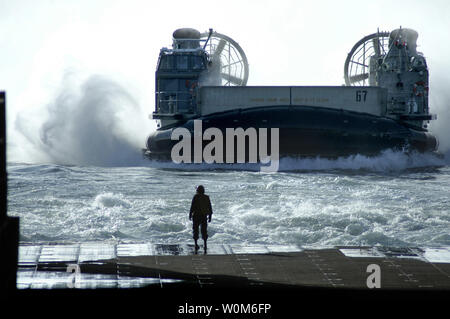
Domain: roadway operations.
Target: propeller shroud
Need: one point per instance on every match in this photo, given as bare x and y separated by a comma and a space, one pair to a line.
227, 54
357, 65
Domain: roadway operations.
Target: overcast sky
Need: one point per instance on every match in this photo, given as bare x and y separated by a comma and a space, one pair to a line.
286, 42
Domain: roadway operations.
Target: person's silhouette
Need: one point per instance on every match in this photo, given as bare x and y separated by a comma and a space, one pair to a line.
200, 214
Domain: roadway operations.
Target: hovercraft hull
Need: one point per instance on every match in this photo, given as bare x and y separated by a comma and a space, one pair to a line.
307, 131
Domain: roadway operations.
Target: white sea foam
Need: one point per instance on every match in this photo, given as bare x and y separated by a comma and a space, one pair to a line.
387, 161
106, 200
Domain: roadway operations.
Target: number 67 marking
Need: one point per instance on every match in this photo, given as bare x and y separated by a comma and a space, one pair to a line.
361, 96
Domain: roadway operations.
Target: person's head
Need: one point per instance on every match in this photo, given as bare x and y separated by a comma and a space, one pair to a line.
200, 189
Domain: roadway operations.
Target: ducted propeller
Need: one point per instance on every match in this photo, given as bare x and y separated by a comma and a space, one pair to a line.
357, 65
227, 58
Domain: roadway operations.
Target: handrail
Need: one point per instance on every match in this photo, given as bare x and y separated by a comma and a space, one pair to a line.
173, 101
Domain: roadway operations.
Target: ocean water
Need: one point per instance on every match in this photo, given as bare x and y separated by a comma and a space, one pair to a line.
395, 199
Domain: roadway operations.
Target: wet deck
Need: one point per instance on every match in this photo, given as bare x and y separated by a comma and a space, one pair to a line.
110, 265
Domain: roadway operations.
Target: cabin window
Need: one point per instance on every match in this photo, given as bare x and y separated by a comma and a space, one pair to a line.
182, 62
166, 62
197, 63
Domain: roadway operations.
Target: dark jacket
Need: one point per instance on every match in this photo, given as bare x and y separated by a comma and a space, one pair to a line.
200, 206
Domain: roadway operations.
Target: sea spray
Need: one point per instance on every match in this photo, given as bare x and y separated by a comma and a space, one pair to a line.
440, 105
96, 123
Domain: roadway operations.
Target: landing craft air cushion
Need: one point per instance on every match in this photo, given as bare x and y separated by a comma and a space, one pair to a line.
383, 104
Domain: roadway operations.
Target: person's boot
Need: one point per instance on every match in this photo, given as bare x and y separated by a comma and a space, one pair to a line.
204, 246
196, 246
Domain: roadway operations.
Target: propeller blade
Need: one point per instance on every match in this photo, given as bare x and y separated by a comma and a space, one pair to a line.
376, 45
219, 48
359, 77
231, 78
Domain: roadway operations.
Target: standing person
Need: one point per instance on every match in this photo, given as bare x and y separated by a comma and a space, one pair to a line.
200, 214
